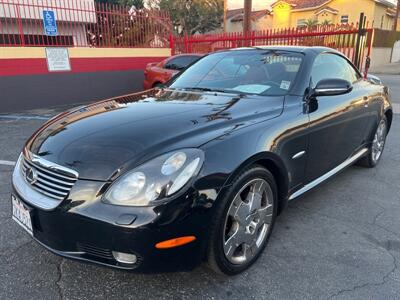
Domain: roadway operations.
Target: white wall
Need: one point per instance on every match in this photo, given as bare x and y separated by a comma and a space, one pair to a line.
65, 10
380, 56
234, 26
396, 52
263, 23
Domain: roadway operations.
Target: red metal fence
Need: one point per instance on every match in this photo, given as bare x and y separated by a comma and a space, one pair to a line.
351, 39
82, 23
85, 23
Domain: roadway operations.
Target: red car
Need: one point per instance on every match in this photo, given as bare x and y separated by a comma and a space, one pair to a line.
159, 73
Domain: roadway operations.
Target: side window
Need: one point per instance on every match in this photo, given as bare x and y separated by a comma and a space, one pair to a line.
180, 62
330, 66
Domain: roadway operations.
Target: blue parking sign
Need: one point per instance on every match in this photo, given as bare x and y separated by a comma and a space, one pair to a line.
49, 23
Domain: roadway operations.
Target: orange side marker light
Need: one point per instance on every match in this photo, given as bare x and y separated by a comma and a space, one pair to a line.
175, 242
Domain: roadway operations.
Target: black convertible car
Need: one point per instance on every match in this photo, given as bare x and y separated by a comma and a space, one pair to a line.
198, 170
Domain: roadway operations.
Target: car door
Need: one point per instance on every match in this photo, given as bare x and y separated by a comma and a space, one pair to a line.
337, 123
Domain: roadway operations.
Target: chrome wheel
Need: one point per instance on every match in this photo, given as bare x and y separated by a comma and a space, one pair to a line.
379, 141
248, 221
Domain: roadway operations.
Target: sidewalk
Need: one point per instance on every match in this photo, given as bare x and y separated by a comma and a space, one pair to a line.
390, 69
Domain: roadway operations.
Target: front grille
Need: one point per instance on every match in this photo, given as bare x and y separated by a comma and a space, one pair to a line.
95, 251
48, 181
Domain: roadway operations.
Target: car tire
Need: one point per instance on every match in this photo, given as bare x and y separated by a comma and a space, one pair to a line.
226, 230
375, 151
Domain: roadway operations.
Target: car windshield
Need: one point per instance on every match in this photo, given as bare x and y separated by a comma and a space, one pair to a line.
261, 72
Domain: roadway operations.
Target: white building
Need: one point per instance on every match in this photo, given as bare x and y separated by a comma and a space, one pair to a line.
21, 22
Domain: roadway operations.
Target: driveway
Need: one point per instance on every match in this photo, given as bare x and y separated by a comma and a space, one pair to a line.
339, 241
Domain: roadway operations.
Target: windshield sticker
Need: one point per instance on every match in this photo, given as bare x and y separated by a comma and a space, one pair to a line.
252, 88
285, 85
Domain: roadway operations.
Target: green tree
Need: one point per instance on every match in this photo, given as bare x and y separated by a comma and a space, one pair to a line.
311, 24
127, 30
326, 23
194, 16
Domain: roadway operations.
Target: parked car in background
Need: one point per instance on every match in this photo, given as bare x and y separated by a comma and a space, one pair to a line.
158, 73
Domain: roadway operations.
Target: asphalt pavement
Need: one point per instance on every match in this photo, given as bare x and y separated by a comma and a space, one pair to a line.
339, 241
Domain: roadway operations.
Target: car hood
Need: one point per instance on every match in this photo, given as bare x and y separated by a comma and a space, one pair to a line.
99, 139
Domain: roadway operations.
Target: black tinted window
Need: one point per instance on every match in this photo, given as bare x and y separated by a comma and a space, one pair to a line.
262, 72
332, 66
180, 62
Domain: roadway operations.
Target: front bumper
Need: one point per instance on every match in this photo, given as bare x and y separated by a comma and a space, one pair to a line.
84, 228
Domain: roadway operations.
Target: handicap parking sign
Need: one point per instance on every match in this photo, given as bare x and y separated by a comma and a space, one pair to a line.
49, 23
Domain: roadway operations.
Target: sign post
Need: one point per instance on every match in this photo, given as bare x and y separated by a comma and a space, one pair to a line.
49, 23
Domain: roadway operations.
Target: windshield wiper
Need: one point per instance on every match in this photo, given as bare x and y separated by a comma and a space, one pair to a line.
203, 89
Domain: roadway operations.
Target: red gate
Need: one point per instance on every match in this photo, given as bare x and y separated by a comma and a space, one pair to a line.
353, 40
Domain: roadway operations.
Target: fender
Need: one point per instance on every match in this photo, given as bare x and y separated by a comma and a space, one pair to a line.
276, 166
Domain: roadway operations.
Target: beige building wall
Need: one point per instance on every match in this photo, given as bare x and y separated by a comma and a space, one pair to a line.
234, 26
286, 16
282, 15
263, 23
381, 19
327, 15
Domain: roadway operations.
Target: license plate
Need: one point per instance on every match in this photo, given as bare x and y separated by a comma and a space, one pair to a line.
21, 214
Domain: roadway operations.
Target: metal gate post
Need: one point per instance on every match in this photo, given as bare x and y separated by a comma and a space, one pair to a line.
370, 37
186, 39
19, 24
360, 34
172, 44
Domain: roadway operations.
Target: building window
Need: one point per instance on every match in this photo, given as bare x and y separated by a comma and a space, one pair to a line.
383, 17
344, 19
301, 22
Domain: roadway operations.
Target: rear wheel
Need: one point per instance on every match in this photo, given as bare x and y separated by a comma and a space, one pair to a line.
378, 144
243, 222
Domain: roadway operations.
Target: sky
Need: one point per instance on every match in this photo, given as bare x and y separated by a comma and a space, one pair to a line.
257, 4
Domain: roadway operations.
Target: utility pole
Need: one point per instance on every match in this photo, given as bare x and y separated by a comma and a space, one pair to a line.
247, 17
225, 11
396, 18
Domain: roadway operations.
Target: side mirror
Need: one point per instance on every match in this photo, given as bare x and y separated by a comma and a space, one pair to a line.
374, 79
332, 87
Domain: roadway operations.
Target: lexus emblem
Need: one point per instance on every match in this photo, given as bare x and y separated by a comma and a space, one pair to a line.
31, 175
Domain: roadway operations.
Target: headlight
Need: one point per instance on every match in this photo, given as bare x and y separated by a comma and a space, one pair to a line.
155, 180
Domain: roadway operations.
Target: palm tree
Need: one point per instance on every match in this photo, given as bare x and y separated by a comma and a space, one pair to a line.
326, 23
311, 23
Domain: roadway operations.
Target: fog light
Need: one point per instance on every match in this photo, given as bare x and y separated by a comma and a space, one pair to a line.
124, 258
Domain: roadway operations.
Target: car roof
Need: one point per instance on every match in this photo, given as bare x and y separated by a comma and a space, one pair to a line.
300, 49
187, 54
